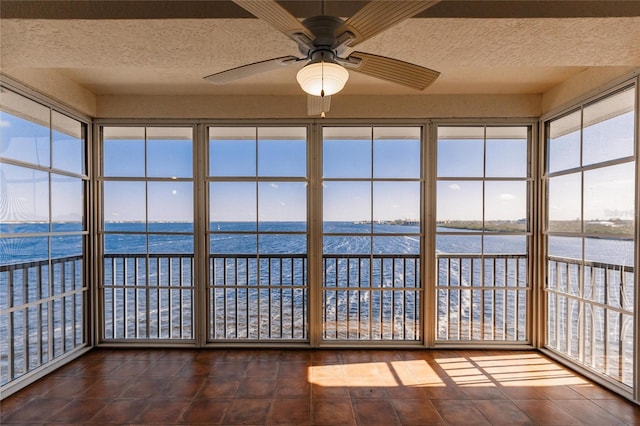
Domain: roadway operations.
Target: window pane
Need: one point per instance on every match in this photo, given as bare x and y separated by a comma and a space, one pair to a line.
169, 152
67, 203
67, 245
501, 244
564, 143
171, 244
25, 129
282, 244
124, 151
505, 208
396, 152
125, 244
346, 152
282, 151
232, 151
564, 203
609, 128
282, 202
459, 201
233, 244
68, 143
23, 249
233, 202
452, 244
609, 199
395, 203
170, 203
124, 206
347, 202
506, 152
460, 151
570, 247
25, 193
396, 245
346, 245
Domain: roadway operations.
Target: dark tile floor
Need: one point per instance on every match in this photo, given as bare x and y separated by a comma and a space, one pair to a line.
320, 387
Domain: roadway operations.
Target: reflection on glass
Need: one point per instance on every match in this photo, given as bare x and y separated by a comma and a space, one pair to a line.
564, 208
124, 206
346, 152
169, 204
505, 208
169, 152
460, 201
460, 151
282, 202
563, 138
347, 202
68, 143
396, 152
25, 129
67, 203
124, 151
346, 245
24, 195
609, 128
282, 244
233, 202
282, 151
506, 152
609, 199
395, 203
232, 151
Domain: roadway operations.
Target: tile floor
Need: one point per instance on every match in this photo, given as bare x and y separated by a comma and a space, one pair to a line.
320, 387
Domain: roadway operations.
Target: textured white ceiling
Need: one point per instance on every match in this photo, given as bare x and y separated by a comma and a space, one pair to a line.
171, 56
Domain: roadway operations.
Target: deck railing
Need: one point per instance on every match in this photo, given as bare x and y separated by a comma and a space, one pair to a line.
41, 313
482, 297
590, 309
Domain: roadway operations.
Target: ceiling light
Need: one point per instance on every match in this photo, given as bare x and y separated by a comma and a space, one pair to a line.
322, 78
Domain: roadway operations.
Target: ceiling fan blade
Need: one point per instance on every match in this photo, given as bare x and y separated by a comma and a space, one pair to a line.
250, 69
271, 12
318, 105
394, 70
379, 15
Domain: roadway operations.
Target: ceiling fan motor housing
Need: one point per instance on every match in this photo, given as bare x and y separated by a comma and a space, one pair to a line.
324, 29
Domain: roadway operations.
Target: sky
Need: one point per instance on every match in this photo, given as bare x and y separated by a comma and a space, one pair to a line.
349, 164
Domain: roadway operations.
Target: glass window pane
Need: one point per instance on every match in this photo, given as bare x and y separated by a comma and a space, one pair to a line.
233, 244
23, 249
501, 244
125, 244
452, 244
505, 208
396, 245
169, 152
460, 151
566, 247
124, 151
609, 201
396, 152
67, 203
25, 193
25, 128
394, 204
506, 152
346, 152
68, 143
282, 202
233, 202
232, 151
564, 203
609, 128
171, 244
170, 203
125, 206
66, 246
460, 201
608, 250
563, 151
282, 244
346, 245
282, 151
347, 202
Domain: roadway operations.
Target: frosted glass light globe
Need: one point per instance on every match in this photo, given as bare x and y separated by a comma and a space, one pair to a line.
317, 76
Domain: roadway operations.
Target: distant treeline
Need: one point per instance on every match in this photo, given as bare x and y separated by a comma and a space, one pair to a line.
606, 227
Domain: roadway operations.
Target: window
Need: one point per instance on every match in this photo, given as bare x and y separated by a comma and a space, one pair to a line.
371, 184
258, 233
590, 226
483, 234
43, 180
148, 233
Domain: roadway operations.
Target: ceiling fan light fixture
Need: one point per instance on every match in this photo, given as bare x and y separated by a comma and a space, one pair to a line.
322, 78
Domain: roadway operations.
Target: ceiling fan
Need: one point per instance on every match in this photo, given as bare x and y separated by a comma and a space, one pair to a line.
323, 40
